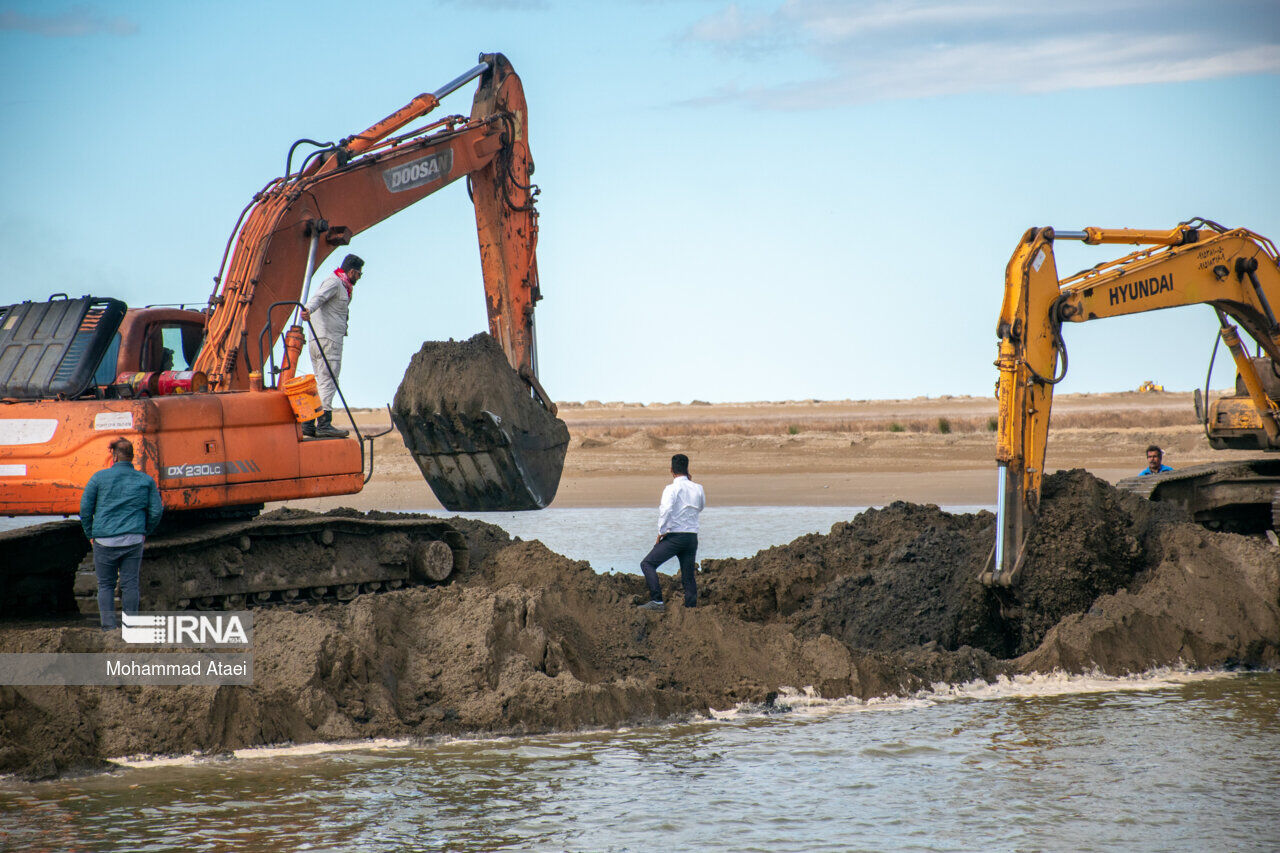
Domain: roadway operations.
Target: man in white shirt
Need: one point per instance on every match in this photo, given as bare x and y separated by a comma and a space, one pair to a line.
677, 534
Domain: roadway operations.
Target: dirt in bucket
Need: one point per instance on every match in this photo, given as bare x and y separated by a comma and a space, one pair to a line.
480, 438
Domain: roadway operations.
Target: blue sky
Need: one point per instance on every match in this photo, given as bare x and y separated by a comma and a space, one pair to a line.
740, 201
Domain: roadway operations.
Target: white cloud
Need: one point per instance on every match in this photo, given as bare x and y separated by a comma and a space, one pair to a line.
76, 21
731, 27
925, 48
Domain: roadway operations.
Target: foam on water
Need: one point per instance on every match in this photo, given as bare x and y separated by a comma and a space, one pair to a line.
791, 702
807, 702
291, 751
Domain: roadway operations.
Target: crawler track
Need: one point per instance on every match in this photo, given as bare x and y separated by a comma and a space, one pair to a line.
1240, 497
236, 564
38, 567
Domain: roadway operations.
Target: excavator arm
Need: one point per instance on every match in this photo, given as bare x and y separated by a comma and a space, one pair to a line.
299, 219
1235, 271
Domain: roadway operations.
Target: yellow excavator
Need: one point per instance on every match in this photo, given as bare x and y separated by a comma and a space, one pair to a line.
1233, 270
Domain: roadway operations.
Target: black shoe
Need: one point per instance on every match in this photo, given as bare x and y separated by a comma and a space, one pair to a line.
326, 429
309, 429
654, 605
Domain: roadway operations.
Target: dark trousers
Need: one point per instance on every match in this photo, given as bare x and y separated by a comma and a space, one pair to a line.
111, 563
682, 545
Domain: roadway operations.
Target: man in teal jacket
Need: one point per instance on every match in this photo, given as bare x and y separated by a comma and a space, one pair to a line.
119, 509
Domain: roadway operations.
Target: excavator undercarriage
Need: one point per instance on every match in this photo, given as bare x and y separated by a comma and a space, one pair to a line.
1236, 497
232, 565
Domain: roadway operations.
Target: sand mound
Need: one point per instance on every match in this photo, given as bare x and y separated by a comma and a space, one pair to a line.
526, 640
641, 440
1207, 600
906, 576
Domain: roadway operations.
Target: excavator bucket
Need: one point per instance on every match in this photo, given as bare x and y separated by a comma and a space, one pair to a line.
481, 440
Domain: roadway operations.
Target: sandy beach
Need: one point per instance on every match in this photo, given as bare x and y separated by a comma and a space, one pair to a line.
814, 453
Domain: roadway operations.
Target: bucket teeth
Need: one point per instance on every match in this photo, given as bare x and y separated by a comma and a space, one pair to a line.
481, 463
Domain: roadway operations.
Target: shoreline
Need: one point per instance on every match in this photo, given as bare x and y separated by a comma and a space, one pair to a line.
797, 701
781, 489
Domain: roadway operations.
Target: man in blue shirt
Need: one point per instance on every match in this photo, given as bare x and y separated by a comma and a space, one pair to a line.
1154, 463
119, 509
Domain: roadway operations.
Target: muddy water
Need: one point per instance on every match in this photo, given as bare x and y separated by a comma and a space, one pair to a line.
617, 538
1165, 762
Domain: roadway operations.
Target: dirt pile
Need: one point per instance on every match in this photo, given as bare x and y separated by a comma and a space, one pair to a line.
478, 436
526, 640
906, 576
1090, 540
888, 580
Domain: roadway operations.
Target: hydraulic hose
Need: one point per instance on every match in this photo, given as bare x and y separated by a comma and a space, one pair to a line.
1055, 318
1208, 378
288, 160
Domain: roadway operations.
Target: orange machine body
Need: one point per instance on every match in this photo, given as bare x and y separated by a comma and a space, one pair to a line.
204, 451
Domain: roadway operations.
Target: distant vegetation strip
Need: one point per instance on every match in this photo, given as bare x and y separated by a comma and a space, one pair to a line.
1120, 419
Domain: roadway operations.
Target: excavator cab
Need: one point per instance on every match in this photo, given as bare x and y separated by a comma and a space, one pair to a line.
171, 344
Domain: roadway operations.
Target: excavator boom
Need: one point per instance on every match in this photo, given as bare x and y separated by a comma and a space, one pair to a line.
1235, 271
472, 460
297, 220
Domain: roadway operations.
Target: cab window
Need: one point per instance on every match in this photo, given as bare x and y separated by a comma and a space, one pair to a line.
106, 372
172, 346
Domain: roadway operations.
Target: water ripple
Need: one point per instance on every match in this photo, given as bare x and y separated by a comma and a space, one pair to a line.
1177, 762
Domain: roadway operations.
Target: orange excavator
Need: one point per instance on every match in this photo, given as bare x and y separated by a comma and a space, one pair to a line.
1236, 272
200, 394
